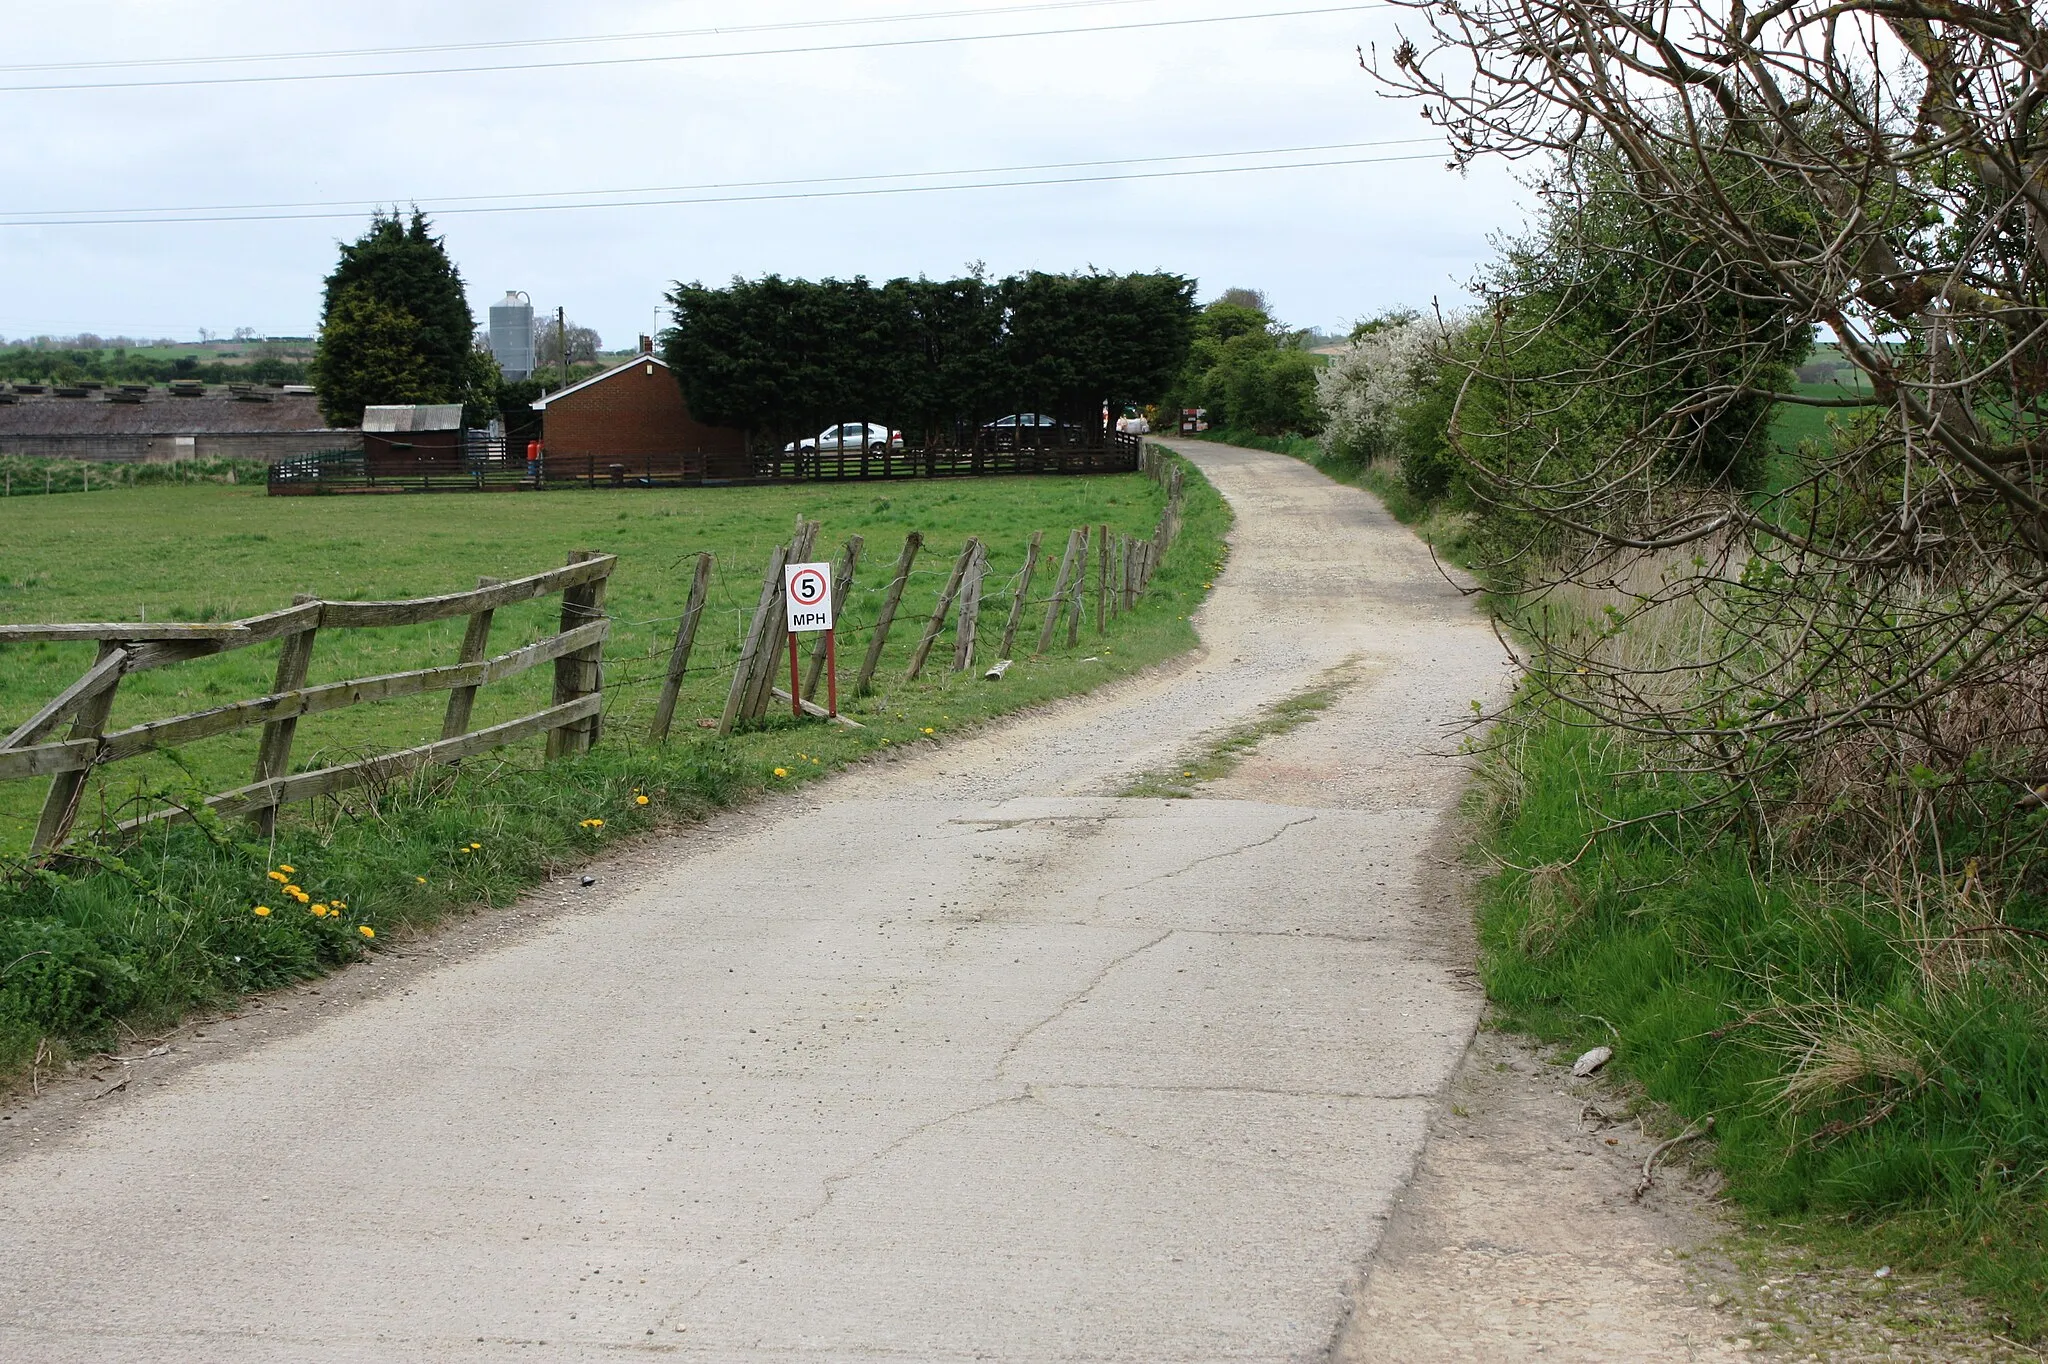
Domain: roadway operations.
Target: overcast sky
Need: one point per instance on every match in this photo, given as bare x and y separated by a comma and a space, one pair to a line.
1328, 244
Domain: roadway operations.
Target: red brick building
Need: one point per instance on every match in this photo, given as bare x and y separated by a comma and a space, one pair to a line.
633, 419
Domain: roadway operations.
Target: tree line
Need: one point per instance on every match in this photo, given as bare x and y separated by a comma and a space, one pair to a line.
935, 358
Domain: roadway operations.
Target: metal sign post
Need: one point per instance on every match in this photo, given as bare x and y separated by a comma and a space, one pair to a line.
809, 600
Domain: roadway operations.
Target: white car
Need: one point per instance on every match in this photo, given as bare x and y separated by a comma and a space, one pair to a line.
848, 438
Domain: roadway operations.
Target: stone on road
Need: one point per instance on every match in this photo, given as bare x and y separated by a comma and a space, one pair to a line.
1008, 1068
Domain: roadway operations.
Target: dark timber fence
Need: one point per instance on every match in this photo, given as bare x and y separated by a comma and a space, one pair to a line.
503, 471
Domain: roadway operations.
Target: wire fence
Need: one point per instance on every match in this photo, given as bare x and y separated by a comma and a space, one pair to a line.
1030, 591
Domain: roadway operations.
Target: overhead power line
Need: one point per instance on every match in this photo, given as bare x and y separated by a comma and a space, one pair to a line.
571, 40
873, 45
762, 197
90, 214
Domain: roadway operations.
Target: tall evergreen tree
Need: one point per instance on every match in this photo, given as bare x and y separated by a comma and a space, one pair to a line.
398, 268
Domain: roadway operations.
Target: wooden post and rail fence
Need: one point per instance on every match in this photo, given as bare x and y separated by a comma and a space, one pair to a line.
573, 719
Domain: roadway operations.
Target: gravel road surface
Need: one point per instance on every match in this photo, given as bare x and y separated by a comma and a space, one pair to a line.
959, 1057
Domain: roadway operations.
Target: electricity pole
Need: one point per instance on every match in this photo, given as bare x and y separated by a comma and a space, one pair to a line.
562, 339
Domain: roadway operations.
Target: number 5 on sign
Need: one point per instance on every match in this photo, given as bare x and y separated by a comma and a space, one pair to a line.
808, 596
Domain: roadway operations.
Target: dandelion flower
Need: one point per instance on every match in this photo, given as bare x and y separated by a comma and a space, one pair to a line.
928, 729
419, 880
366, 930
639, 800
319, 911
277, 876
341, 904
287, 868
478, 847
263, 911
781, 771
291, 890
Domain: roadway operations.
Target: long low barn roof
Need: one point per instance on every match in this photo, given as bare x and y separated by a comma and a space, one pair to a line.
159, 414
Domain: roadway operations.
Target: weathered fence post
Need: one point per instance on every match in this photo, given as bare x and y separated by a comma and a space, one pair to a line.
912, 543
679, 656
274, 755
582, 673
1059, 592
970, 610
1102, 580
1130, 560
1077, 607
751, 648
476, 643
938, 620
60, 807
842, 584
1023, 595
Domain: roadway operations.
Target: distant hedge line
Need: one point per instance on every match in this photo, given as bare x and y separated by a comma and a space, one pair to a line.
782, 357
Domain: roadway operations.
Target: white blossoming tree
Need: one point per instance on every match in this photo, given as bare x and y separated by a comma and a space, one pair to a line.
1386, 368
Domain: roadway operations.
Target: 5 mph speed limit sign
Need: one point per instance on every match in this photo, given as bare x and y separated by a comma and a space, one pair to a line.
809, 596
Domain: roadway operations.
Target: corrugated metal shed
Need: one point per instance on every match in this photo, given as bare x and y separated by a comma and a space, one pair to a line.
426, 417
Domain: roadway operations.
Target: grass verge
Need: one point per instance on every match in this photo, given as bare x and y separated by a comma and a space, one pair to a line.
130, 935
31, 476
1858, 1112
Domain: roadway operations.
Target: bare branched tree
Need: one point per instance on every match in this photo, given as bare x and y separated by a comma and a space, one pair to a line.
1719, 182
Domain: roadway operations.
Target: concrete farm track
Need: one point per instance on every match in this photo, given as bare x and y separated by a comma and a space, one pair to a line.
1007, 1068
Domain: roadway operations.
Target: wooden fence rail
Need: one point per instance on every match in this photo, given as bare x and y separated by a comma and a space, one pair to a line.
570, 721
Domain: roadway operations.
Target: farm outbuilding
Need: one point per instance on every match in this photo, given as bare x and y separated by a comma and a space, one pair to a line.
632, 422
403, 440
148, 423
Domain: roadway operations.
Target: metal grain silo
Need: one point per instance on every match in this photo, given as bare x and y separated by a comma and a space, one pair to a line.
512, 335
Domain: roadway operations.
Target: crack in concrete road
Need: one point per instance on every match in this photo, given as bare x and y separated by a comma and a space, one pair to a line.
1094, 982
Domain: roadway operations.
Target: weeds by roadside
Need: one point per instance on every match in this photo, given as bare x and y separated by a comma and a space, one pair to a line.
1221, 755
1795, 1010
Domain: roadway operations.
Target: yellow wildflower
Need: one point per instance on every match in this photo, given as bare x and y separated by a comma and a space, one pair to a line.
781, 771
366, 930
319, 911
928, 729
263, 911
291, 890
639, 800
341, 904
477, 847
277, 876
287, 868
420, 880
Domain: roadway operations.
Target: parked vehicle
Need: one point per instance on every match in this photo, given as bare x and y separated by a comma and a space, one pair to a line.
1029, 430
1025, 420
848, 438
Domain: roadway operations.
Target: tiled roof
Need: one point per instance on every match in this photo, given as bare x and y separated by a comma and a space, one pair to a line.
158, 414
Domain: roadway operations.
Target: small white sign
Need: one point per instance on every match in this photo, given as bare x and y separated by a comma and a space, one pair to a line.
809, 596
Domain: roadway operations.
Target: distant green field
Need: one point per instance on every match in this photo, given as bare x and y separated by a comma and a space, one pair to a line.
1827, 374
216, 553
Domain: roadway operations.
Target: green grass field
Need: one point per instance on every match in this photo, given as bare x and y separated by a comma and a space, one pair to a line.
216, 553
129, 934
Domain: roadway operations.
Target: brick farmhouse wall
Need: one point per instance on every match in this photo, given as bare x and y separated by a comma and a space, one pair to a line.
636, 413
